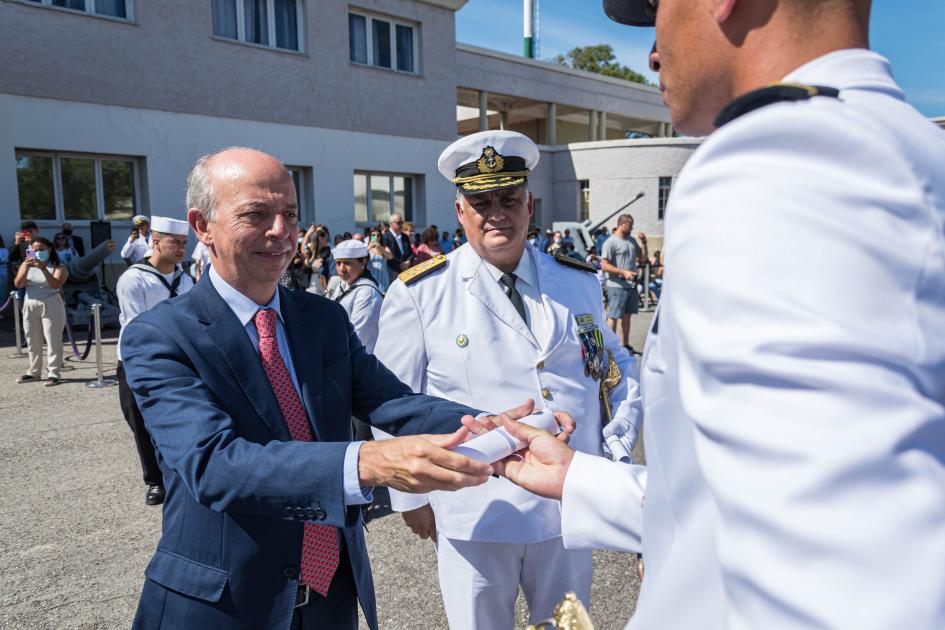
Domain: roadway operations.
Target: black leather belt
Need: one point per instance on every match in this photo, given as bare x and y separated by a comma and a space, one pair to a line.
302, 595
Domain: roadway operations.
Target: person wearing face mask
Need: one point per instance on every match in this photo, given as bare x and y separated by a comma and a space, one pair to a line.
74, 241
142, 287
44, 313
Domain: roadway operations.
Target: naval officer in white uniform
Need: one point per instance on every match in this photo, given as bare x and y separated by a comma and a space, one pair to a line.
358, 292
795, 403
492, 323
140, 288
138, 245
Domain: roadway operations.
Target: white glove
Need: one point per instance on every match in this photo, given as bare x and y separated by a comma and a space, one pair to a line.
620, 436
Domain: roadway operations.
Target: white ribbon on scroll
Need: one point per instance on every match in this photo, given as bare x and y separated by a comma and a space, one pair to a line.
497, 444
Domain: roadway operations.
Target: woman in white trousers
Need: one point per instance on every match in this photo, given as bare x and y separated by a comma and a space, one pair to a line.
44, 312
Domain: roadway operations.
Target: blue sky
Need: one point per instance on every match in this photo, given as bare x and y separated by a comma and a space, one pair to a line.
910, 33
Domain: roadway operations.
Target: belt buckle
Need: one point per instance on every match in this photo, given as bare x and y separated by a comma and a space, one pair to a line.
302, 595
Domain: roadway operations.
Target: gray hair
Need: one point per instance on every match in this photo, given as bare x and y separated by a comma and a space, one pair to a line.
200, 193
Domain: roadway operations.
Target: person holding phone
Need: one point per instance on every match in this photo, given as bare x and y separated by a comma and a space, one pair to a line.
138, 245
44, 313
380, 254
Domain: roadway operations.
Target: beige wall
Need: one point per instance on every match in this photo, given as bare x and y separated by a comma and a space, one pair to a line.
169, 60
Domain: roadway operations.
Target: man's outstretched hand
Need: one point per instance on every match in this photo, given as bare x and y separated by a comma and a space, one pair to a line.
542, 466
420, 463
478, 426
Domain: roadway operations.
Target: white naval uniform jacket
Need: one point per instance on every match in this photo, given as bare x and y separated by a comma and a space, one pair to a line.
139, 291
794, 379
362, 301
456, 334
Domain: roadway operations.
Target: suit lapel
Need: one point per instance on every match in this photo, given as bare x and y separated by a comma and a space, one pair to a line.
304, 339
480, 284
230, 338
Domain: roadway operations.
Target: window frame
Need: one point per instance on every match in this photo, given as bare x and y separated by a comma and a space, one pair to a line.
97, 159
393, 23
584, 199
409, 214
662, 200
88, 11
270, 27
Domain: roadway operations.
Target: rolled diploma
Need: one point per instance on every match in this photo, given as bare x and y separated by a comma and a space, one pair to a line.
496, 444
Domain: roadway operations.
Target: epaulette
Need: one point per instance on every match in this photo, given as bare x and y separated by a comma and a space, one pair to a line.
775, 93
572, 262
425, 268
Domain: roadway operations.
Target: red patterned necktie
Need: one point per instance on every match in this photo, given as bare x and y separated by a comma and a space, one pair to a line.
320, 542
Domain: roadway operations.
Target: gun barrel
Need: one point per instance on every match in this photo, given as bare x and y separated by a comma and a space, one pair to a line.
83, 269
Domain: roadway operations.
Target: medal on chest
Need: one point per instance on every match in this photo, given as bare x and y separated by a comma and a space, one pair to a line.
592, 346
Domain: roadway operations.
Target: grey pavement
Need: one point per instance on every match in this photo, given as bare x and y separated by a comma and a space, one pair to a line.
76, 536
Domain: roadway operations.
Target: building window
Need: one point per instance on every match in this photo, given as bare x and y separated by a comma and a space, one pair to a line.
584, 200
109, 8
271, 23
70, 187
666, 183
302, 177
379, 195
382, 42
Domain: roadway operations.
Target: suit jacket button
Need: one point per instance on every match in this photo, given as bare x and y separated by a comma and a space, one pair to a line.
300, 513
321, 514
291, 572
310, 513
546, 394
289, 511
541, 365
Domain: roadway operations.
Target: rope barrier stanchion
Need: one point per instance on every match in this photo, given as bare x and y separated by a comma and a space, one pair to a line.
646, 287
17, 325
97, 319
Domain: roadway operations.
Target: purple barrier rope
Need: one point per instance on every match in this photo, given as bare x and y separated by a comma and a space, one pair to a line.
75, 348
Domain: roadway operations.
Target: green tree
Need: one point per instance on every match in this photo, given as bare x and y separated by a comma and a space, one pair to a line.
599, 59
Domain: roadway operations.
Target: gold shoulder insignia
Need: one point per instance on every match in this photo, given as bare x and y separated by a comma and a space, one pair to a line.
418, 271
577, 264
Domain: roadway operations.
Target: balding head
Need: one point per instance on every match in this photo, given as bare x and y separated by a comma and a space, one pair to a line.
223, 167
243, 207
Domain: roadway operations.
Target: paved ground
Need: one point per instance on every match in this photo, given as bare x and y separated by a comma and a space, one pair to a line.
75, 535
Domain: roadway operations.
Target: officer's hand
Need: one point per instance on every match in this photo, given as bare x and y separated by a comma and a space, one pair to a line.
422, 522
134, 235
404, 265
478, 426
420, 463
542, 466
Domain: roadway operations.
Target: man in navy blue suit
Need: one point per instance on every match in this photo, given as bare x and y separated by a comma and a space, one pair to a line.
399, 245
247, 391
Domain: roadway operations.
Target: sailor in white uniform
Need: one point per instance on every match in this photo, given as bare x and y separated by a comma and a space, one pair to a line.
140, 288
138, 245
489, 325
796, 402
358, 292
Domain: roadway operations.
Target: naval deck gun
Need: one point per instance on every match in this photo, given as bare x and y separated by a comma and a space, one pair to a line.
584, 230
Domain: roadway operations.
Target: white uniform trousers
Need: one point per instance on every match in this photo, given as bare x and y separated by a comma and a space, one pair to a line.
44, 320
480, 580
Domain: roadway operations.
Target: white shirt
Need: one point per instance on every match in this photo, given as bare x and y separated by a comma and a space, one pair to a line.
135, 250
796, 419
245, 310
139, 291
528, 285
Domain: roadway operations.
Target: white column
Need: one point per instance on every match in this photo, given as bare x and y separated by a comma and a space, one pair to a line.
483, 110
551, 125
592, 125
602, 132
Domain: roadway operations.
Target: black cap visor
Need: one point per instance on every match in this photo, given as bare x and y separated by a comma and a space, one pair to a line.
630, 12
